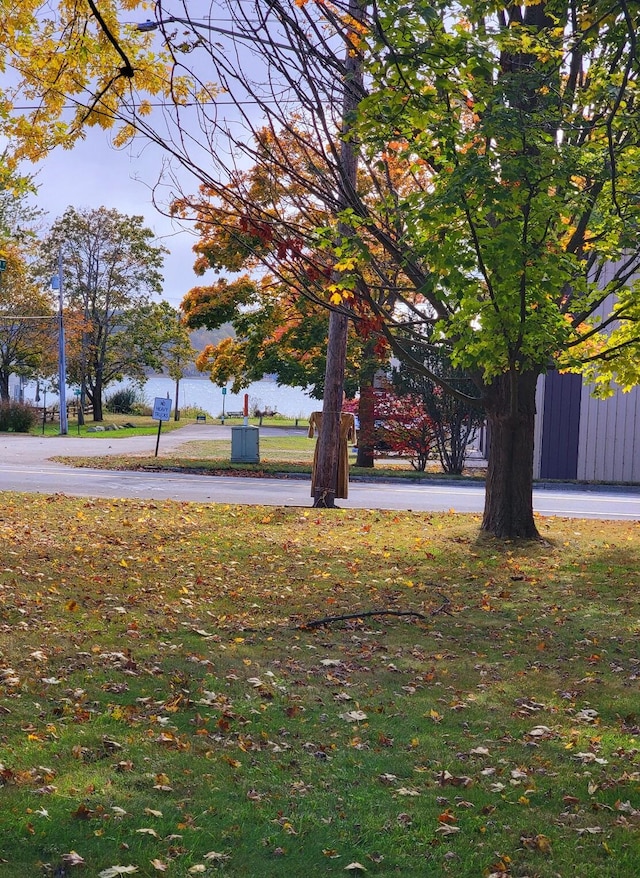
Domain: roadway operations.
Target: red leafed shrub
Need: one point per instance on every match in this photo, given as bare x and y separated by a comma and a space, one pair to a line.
401, 426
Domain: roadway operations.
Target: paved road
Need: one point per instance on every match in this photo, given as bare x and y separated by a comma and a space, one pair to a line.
26, 466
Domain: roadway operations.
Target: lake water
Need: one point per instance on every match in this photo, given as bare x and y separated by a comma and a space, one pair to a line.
201, 393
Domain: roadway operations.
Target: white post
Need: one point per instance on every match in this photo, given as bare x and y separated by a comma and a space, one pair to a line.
62, 361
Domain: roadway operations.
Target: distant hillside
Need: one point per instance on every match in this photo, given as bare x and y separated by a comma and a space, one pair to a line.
200, 338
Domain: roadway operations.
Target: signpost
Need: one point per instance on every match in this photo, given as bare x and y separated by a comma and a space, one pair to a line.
57, 284
77, 393
161, 412
224, 396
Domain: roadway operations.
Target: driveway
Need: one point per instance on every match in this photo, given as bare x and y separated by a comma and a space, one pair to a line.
21, 448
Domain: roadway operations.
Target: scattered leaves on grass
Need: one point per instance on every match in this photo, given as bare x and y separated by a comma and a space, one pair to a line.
354, 716
216, 857
536, 842
177, 697
115, 871
72, 859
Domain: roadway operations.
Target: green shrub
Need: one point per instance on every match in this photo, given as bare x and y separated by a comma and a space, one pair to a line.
192, 411
142, 409
16, 417
126, 401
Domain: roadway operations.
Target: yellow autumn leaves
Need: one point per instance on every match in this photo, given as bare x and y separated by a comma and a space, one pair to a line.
64, 72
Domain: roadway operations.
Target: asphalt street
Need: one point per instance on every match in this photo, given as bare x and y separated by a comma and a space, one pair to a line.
26, 465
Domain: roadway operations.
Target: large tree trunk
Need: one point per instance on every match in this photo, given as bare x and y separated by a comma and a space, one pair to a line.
511, 408
366, 431
96, 399
327, 452
4, 386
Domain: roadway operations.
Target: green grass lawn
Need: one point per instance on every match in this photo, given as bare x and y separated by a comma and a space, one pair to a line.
145, 425
140, 426
168, 704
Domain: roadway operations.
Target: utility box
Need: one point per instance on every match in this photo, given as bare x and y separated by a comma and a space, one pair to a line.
245, 444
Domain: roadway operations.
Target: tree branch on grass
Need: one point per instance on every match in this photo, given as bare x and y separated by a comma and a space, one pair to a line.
329, 620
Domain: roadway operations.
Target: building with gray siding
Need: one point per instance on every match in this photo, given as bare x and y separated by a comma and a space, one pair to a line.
580, 437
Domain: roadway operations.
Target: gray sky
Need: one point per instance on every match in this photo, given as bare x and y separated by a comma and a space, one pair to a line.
93, 174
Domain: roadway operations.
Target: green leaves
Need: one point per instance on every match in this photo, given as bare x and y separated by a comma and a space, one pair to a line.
112, 268
520, 199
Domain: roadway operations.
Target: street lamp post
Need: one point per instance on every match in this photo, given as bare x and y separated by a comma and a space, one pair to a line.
62, 360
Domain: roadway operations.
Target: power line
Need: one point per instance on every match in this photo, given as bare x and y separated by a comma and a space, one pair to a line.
24, 317
226, 103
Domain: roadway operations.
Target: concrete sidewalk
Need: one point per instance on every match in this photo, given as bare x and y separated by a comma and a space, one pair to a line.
25, 448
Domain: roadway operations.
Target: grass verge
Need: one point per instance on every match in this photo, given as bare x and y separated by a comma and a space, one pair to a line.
127, 425
142, 425
169, 705
278, 454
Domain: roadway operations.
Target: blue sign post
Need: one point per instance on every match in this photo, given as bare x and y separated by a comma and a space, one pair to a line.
161, 412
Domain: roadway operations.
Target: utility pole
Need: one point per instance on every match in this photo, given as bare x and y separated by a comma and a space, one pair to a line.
62, 360
326, 469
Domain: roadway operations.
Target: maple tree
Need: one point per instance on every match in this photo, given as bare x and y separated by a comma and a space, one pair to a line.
278, 333
264, 224
525, 239
515, 124
28, 332
517, 238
